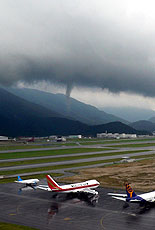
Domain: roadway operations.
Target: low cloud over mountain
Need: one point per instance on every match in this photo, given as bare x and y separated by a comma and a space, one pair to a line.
84, 43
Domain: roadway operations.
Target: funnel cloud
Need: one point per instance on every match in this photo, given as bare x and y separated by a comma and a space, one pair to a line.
79, 43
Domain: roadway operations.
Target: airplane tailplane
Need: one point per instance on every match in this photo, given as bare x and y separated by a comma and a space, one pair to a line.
52, 184
129, 191
19, 179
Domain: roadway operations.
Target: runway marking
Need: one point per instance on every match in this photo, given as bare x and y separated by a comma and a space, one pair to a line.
112, 212
130, 214
101, 220
126, 213
17, 208
67, 218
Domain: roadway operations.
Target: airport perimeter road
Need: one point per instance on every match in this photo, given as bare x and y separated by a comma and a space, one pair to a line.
39, 210
75, 161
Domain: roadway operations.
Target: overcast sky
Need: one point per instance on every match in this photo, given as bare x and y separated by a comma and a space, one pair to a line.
103, 49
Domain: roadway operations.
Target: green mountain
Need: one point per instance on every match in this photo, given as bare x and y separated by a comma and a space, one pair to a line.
66, 107
143, 125
130, 113
18, 108
19, 117
152, 119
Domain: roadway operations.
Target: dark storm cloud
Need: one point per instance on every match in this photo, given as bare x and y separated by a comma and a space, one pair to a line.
85, 43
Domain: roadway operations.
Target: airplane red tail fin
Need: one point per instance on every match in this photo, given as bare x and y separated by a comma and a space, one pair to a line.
52, 184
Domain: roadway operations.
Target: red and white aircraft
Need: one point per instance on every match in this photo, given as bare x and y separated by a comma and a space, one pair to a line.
86, 187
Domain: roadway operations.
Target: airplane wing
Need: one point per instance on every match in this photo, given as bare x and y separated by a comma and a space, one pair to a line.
117, 195
86, 190
43, 187
26, 182
119, 198
124, 199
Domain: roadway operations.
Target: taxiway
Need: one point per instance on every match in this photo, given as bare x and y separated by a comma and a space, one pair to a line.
38, 209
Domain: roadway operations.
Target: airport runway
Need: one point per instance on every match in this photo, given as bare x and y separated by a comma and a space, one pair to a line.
38, 209
75, 161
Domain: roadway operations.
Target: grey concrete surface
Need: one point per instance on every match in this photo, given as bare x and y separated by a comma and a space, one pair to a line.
38, 209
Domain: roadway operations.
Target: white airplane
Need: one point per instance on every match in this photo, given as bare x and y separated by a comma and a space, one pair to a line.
131, 197
85, 187
28, 183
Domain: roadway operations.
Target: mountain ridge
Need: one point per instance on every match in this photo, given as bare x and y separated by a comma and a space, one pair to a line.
68, 107
143, 125
130, 113
19, 117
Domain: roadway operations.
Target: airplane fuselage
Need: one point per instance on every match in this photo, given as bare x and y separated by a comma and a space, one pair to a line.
83, 187
149, 197
76, 187
29, 181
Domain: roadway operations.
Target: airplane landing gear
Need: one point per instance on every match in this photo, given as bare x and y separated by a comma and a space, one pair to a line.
91, 199
26, 187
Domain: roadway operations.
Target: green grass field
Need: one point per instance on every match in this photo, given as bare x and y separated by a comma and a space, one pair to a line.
7, 226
